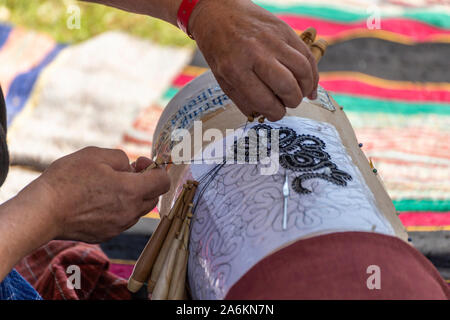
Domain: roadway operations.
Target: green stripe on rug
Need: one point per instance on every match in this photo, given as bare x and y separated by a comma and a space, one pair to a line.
432, 17
370, 105
422, 205
170, 93
316, 11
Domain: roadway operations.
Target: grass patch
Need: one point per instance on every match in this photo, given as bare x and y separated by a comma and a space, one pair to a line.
51, 16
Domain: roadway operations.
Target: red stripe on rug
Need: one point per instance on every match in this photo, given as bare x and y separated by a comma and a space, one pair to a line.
405, 140
182, 80
358, 88
403, 162
417, 31
425, 219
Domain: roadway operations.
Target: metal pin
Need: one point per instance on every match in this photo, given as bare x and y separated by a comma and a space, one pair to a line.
286, 197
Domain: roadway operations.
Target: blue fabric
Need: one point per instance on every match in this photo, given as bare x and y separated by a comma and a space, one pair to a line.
21, 87
15, 287
5, 30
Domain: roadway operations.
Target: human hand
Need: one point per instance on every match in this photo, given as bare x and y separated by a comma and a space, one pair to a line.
258, 60
94, 194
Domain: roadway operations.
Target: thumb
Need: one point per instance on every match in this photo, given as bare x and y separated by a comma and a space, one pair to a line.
147, 184
142, 163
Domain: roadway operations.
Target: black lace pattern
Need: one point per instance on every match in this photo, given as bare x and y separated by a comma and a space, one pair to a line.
301, 153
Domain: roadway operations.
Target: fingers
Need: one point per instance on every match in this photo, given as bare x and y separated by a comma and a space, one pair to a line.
142, 163
254, 96
282, 81
143, 186
236, 96
298, 45
145, 207
301, 69
269, 105
273, 84
148, 205
146, 185
153, 183
115, 158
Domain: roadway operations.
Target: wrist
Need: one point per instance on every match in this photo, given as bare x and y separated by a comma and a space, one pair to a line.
23, 228
37, 202
189, 12
184, 15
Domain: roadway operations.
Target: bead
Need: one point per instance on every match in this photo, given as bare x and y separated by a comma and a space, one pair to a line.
375, 170
360, 145
261, 120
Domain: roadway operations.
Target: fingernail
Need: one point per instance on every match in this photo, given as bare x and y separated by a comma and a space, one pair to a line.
314, 95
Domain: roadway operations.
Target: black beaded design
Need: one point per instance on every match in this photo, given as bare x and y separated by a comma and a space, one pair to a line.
300, 153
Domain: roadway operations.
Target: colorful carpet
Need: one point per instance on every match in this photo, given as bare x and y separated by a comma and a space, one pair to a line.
392, 82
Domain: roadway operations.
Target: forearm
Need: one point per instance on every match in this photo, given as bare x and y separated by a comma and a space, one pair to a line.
24, 227
162, 9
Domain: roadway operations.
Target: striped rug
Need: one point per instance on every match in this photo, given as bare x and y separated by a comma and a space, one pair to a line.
393, 83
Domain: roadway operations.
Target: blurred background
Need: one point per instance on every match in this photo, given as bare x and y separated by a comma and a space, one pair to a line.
77, 74
50, 16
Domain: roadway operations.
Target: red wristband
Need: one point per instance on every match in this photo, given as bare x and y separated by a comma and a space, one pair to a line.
184, 13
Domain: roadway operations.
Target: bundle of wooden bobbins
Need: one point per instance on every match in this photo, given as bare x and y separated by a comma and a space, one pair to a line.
163, 262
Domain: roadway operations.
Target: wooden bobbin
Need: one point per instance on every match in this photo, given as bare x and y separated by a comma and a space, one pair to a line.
146, 260
177, 207
193, 182
252, 117
156, 164
318, 49
144, 264
178, 283
309, 36
162, 286
171, 235
163, 253
172, 280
